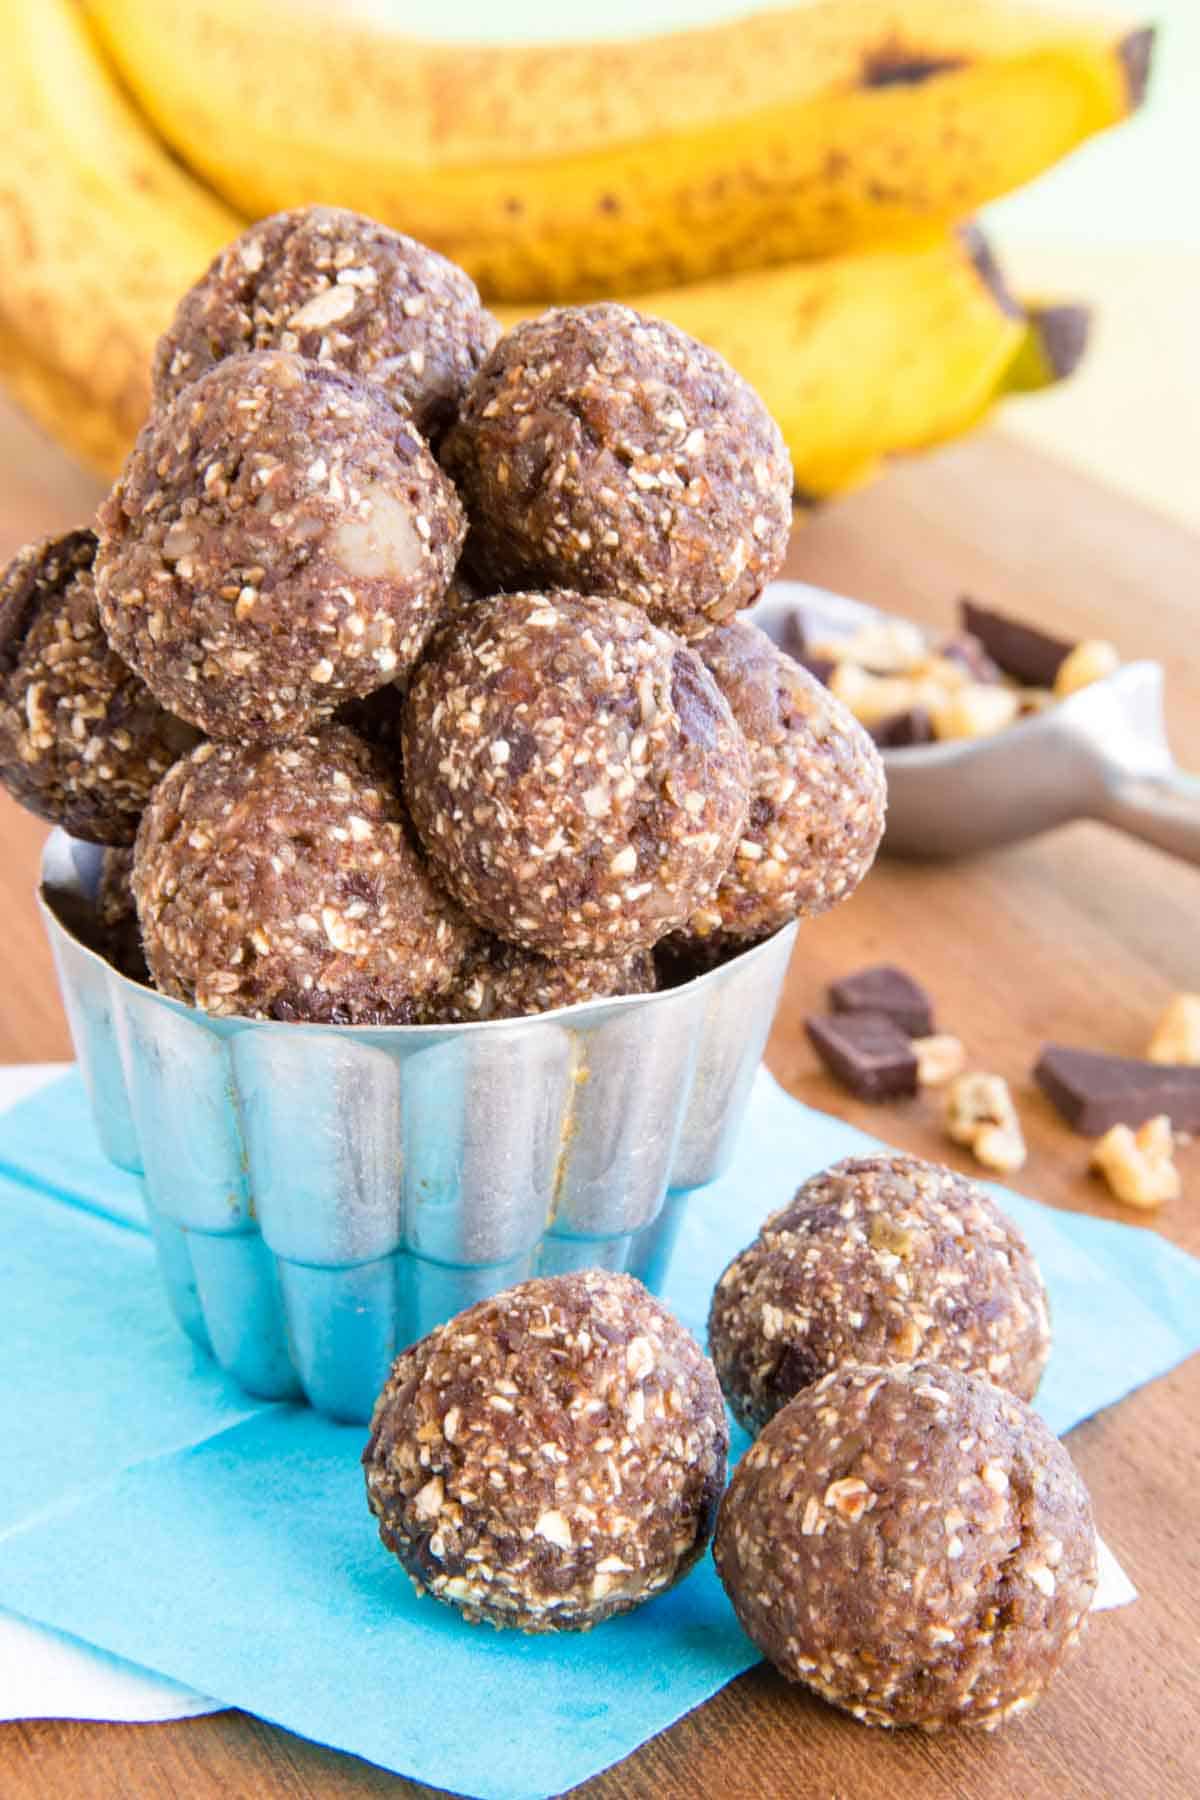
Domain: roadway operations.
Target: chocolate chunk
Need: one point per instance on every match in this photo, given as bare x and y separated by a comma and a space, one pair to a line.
969, 654
887, 990
1093, 1091
1029, 656
797, 644
867, 1052
900, 731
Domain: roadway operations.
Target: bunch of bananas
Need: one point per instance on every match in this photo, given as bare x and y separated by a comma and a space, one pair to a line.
784, 187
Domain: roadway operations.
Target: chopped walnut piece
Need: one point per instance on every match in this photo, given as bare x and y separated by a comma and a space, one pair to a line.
1177, 1035
939, 1058
1089, 661
1137, 1165
976, 710
980, 1113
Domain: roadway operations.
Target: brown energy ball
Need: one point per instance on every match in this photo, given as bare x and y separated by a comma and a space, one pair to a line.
880, 1259
279, 541
82, 739
818, 792
913, 1544
342, 290
611, 453
552, 1456
500, 981
277, 881
118, 936
573, 772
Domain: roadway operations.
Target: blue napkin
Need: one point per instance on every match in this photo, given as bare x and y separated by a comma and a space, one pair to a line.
244, 1563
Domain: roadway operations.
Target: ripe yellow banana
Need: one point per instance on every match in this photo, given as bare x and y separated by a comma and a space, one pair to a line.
860, 356
100, 232
573, 169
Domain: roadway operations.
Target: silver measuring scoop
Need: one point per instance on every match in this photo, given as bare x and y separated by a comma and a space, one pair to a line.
1102, 753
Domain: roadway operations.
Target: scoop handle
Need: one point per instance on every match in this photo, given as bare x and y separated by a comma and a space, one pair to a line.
1160, 807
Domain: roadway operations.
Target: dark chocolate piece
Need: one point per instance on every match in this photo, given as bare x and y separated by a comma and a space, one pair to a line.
1093, 1092
969, 654
900, 731
867, 1052
796, 645
887, 990
1028, 655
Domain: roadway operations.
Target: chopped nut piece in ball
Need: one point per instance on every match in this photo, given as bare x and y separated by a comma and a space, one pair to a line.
343, 290
817, 791
280, 541
552, 1456
502, 981
82, 739
279, 882
611, 453
879, 1259
573, 771
913, 1544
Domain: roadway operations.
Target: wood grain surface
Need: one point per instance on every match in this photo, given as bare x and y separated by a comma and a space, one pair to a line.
1081, 936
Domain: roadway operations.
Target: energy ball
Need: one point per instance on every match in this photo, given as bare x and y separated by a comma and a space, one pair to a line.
341, 290
611, 453
500, 981
552, 1456
82, 739
880, 1259
118, 936
277, 881
817, 791
913, 1544
573, 771
280, 541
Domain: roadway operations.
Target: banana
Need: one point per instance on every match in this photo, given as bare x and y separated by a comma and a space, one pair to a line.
100, 233
859, 357
1056, 337
573, 169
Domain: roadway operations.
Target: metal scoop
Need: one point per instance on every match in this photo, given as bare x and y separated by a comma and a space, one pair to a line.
1102, 753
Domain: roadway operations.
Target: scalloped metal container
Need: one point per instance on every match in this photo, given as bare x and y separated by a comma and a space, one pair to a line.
322, 1196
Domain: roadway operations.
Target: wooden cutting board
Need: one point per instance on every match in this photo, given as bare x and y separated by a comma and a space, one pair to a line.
1081, 936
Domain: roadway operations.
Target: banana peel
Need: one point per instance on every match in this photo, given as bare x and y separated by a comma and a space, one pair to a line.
571, 170
860, 356
101, 231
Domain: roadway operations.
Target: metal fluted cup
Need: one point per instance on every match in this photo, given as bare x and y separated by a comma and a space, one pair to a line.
320, 1196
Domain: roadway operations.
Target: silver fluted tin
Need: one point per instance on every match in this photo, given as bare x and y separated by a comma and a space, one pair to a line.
321, 1196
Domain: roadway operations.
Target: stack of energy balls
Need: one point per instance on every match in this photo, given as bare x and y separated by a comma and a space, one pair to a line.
405, 657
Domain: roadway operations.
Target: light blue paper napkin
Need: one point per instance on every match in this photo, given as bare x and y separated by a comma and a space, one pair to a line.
247, 1567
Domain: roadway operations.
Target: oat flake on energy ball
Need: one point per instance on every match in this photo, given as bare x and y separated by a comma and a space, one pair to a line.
610, 453
574, 773
818, 792
878, 1259
82, 739
280, 541
913, 1544
277, 881
552, 1456
341, 289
